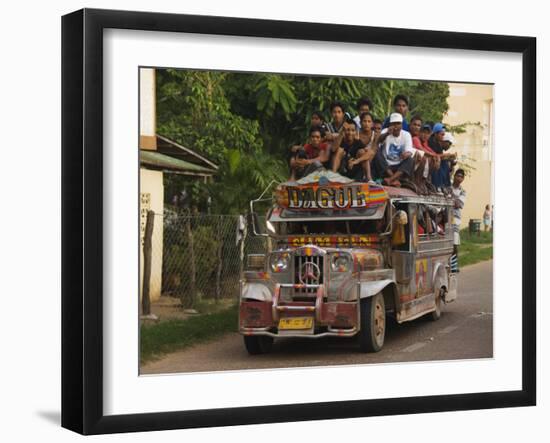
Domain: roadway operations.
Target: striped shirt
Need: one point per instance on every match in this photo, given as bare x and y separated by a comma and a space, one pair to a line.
459, 195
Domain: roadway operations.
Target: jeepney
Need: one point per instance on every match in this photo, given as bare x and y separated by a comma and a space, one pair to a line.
343, 257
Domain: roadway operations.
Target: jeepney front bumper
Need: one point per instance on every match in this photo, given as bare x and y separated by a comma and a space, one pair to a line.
310, 318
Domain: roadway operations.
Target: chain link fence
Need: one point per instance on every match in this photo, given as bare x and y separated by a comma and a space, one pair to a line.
200, 255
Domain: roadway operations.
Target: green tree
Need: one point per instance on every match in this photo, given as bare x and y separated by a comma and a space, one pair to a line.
429, 100
243, 178
193, 110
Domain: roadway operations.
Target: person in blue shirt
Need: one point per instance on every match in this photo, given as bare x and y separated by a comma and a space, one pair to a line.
401, 106
438, 142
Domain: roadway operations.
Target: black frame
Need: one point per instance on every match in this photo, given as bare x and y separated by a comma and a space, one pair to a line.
82, 231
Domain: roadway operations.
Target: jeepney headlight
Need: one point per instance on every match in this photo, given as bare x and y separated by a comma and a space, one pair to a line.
279, 262
340, 263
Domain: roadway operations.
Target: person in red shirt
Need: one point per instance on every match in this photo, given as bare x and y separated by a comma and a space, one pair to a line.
431, 161
425, 134
414, 128
311, 156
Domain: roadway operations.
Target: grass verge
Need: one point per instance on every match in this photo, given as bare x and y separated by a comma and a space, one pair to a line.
173, 335
474, 249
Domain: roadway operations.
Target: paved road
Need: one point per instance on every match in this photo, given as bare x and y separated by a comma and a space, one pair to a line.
465, 330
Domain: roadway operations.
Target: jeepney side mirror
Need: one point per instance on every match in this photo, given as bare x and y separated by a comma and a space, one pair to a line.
255, 224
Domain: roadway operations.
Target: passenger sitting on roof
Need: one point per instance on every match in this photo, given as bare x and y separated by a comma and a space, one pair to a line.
400, 106
435, 159
377, 125
370, 140
426, 160
363, 105
350, 155
394, 157
335, 127
317, 119
441, 178
311, 156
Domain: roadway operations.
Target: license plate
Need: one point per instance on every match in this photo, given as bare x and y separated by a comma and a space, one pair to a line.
296, 323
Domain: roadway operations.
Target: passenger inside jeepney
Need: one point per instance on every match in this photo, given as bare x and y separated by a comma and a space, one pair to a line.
440, 221
424, 220
431, 219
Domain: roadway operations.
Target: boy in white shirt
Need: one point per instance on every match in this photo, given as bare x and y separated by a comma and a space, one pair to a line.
394, 159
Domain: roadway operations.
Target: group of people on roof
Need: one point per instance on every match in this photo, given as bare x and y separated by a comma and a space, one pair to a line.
364, 148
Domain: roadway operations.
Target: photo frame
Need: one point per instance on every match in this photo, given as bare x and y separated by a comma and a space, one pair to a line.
83, 239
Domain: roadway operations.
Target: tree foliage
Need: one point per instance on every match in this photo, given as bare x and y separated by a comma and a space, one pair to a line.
192, 109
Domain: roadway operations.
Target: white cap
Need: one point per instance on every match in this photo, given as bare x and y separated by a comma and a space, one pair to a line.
396, 117
448, 137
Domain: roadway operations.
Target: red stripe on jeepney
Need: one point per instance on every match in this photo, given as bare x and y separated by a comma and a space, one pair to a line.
303, 308
407, 297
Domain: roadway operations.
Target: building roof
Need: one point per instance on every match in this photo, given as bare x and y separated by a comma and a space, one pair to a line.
163, 162
173, 149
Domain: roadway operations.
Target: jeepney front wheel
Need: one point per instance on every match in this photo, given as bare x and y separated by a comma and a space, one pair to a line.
258, 344
373, 323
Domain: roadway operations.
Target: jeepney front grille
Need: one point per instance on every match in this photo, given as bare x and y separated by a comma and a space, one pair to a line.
307, 270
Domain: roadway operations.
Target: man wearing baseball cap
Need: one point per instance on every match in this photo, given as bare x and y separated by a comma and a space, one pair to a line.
441, 177
394, 158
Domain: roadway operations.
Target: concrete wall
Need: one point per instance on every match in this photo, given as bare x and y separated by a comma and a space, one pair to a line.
147, 109
151, 198
474, 103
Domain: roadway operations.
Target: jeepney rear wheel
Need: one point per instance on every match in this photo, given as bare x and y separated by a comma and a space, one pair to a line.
436, 314
258, 344
373, 323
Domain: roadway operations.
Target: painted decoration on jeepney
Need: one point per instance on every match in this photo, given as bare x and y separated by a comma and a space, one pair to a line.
421, 276
329, 191
367, 260
323, 176
333, 240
